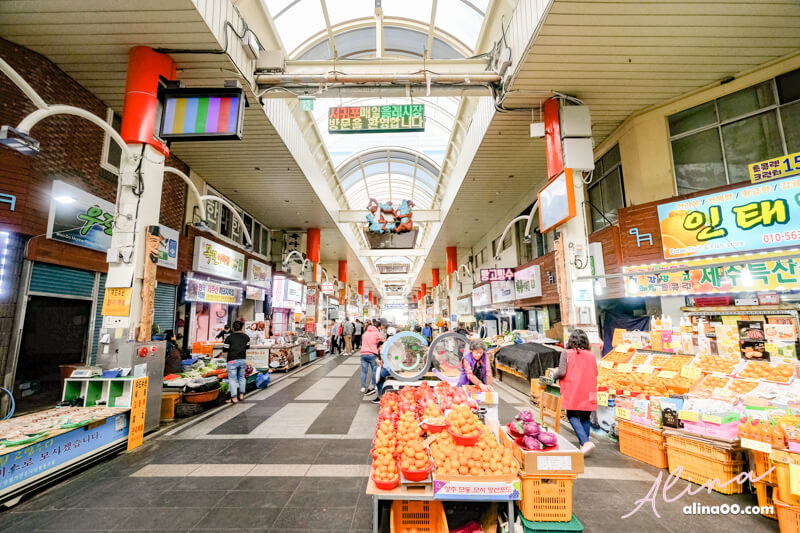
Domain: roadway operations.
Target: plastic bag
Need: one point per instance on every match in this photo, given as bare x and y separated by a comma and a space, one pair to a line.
262, 380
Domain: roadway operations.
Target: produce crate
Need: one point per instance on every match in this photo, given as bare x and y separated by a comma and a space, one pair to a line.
644, 444
424, 516
762, 463
573, 526
784, 485
702, 463
547, 499
764, 494
788, 515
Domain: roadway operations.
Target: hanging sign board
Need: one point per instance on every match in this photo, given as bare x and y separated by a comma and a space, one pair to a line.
497, 274
528, 282
482, 296
326, 288
775, 168
199, 114
502, 291
216, 260
198, 290
770, 274
376, 119
755, 217
79, 218
259, 274
557, 202
117, 302
167, 247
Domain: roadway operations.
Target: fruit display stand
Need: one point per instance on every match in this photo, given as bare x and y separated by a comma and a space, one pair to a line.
41, 447
408, 469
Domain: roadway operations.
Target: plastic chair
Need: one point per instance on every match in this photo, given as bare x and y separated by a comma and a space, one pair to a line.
550, 406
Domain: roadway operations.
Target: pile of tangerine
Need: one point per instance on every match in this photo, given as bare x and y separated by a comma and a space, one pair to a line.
715, 363
463, 421
486, 458
771, 372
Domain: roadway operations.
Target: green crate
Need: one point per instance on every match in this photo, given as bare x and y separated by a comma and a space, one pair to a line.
573, 526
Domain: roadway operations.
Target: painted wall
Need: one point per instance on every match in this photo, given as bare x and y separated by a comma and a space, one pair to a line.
643, 138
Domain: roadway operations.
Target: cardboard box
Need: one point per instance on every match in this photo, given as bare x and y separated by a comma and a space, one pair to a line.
566, 459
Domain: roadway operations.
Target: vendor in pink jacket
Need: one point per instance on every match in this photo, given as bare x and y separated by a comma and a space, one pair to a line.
369, 356
577, 371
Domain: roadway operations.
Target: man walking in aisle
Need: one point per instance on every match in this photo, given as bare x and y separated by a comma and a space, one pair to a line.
348, 330
334, 338
357, 331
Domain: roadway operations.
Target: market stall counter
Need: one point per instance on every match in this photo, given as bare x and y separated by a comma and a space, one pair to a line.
44, 446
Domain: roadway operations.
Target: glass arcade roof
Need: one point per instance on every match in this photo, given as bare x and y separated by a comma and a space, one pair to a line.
328, 29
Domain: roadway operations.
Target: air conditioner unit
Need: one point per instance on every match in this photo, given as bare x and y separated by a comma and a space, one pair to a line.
271, 61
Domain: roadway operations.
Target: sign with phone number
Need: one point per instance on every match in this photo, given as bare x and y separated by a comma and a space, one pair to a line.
754, 217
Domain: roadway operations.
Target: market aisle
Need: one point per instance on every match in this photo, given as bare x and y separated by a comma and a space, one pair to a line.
288, 460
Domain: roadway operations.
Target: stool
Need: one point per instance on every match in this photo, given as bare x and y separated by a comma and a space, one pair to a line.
168, 402
550, 406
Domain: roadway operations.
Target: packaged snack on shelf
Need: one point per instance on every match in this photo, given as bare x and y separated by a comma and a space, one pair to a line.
752, 339
769, 393
764, 370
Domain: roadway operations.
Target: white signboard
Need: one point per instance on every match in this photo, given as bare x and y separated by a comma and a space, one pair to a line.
502, 291
216, 260
168, 247
259, 274
464, 306
278, 289
482, 296
294, 291
528, 282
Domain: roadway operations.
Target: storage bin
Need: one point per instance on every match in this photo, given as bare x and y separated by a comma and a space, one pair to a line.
788, 514
761, 464
643, 444
573, 526
168, 402
764, 495
547, 499
784, 485
702, 462
424, 516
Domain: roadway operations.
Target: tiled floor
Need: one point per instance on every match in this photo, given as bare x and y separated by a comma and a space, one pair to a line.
295, 458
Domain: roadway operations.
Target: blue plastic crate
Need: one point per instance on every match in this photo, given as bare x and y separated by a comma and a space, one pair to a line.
573, 526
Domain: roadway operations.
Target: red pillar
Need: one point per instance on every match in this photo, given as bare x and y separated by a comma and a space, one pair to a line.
424, 290
435, 277
343, 271
312, 244
361, 288
141, 100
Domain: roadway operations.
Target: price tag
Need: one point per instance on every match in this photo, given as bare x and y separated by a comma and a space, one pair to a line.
691, 373
602, 398
714, 419
644, 369
719, 392
718, 374
667, 374
606, 364
756, 445
624, 367
623, 413
689, 416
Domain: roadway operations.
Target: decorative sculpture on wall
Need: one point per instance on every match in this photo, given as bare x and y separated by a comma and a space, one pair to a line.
401, 218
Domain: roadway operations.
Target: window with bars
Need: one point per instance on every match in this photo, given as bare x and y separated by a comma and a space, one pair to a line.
606, 192
713, 143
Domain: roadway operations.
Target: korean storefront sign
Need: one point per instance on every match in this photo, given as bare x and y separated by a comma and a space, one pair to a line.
464, 306
770, 273
497, 274
502, 291
775, 168
216, 260
80, 218
528, 282
755, 217
482, 296
326, 288
259, 274
168, 247
198, 290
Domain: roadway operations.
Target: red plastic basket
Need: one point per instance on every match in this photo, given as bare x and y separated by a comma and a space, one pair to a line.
465, 441
386, 485
417, 475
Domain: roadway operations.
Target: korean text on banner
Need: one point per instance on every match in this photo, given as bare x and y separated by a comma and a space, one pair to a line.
138, 410
117, 302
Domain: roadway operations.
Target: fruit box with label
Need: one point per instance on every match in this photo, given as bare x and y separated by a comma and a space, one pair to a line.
641, 412
565, 459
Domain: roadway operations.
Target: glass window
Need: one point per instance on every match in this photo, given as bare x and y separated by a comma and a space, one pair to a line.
612, 193
745, 101
460, 19
524, 248
789, 86
605, 193
298, 21
698, 162
507, 241
114, 149
344, 10
748, 141
264, 242
596, 199
790, 117
693, 118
